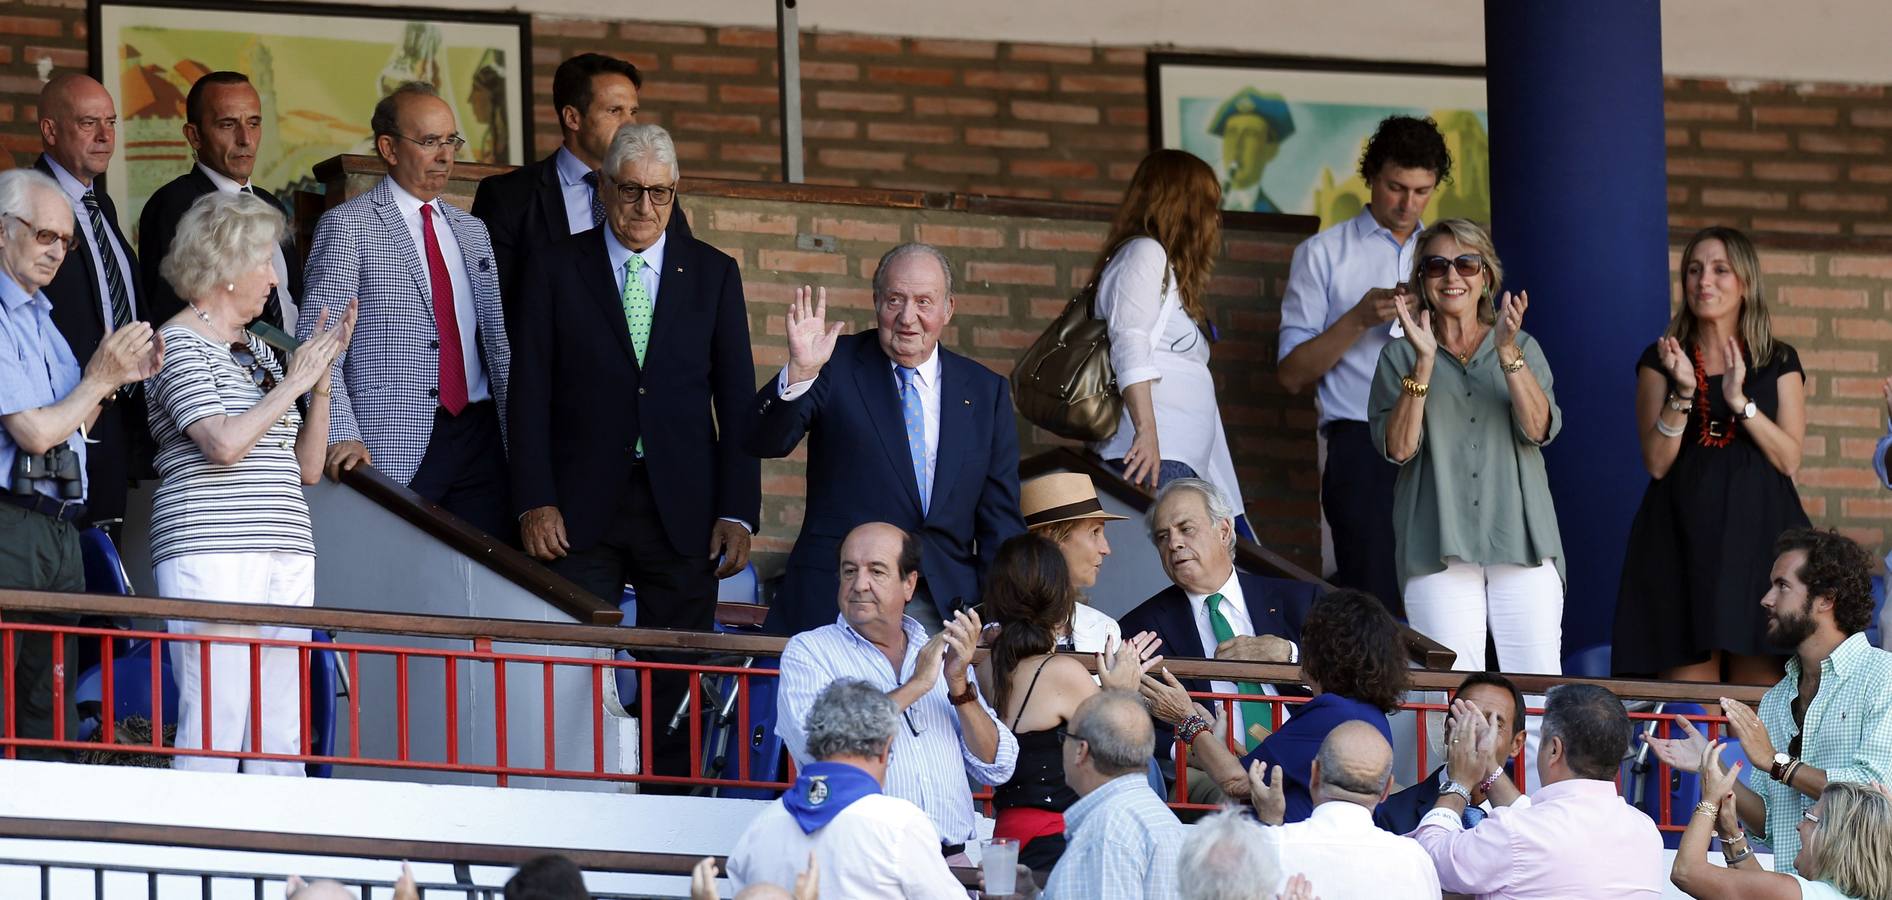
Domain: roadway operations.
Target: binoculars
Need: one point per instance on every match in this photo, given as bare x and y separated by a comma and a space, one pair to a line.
61, 464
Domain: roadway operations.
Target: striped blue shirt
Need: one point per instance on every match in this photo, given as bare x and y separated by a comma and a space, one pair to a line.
930, 762
1123, 845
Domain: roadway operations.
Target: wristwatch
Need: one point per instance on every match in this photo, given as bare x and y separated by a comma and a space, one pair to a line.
1453, 787
1750, 410
1781, 760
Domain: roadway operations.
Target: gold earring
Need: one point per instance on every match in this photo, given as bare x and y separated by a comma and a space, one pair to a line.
230, 288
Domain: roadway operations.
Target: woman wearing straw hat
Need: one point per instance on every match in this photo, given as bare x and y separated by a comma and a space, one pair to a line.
1064, 508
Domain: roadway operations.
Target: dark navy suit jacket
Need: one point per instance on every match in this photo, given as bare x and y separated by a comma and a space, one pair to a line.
1276, 606
859, 471
1294, 745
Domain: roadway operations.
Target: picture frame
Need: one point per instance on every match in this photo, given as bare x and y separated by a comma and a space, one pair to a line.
1284, 134
319, 68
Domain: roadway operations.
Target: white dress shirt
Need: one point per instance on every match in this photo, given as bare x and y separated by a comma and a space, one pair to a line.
284, 297
927, 382
1093, 631
930, 762
75, 192
577, 194
1329, 274
464, 314
879, 846
1329, 846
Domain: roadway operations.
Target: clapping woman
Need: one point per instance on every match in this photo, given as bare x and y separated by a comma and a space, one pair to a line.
228, 521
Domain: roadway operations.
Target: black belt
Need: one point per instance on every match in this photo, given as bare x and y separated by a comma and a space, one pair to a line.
63, 510
1343, 425
950, 850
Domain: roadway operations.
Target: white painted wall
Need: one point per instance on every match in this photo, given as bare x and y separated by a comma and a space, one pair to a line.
1800, 40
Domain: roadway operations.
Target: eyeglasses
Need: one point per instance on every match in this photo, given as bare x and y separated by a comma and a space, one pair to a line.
46, 236
911, 726
259, 374
1467, 265
631, 192
1064, 735
434, 142
1810, 817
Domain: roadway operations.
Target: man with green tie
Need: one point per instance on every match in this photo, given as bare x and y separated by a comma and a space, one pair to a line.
1211, 609
631, 385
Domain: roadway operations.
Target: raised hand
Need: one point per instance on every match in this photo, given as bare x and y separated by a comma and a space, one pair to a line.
703, 880
1267, 791
1734, 376
1124, 670
1511, 319
962, 640
129, 354
1681, 369
808, 883
811, 336
1469, 744
1297, 888
1418, 329
314, 360
1684, 754
1747, 728
1167, 699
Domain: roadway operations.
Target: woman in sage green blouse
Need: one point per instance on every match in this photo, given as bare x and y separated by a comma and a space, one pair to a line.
1463, 405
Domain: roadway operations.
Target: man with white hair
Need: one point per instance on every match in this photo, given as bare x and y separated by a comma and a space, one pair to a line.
420, 392
864, 843
1228, 858
1212, 610
631, 387
46, 403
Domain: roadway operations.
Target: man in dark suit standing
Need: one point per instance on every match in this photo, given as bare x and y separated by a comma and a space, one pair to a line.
540, 203
630, 395
1211, 609
901, 431
621, 474
1491, 695
224, 126
96, 291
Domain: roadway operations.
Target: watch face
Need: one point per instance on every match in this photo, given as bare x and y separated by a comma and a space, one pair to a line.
1781, 759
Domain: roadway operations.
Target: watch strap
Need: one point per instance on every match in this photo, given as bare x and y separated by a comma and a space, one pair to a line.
969, 695
1453, 787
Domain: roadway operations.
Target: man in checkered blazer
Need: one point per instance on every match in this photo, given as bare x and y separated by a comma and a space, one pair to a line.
421, 391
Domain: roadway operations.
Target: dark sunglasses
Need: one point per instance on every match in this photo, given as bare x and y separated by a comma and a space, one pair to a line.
259, 373
1468, 265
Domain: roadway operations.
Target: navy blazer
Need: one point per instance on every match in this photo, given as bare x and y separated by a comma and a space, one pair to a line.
581, 401
1400, 812
124, 450
157, 227
1276, 606
859, 471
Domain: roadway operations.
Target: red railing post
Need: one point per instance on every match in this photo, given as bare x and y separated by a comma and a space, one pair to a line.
597, 718
354, 704
485, 645
108, 700
204, 648
452, 699
305, 688
256, 698
7, 668
744, 683
550, 763
59, 684
157, 691
694, 721
400, 704
645, 718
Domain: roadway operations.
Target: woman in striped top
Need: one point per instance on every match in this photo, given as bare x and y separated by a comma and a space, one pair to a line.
236, 442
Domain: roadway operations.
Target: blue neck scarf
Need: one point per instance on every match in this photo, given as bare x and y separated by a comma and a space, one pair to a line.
823, 790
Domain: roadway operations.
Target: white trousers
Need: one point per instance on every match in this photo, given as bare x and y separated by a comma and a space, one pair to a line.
286, 579
1524, 606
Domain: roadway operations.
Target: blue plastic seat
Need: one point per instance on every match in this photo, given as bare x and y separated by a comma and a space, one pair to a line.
324, 710
1878, 608
104, 571
131, 688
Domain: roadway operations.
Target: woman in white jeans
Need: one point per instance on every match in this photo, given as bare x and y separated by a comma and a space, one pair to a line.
1464, 406
228, 521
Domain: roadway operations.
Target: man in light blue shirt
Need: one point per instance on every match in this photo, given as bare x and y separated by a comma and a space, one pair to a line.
949, 733
1334, 322
46, 404
1123, 840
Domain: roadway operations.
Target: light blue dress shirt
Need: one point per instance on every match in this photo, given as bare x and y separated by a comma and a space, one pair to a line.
37, 368
1123, 845
1331, 271
572, 186
75, 192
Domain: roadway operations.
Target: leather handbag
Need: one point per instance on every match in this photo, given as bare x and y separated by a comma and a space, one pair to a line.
1064, 383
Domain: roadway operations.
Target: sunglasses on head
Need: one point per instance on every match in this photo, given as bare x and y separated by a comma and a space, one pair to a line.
1468, 265
259, 374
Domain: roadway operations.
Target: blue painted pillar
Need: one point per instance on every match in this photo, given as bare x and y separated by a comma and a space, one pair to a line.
1580, 218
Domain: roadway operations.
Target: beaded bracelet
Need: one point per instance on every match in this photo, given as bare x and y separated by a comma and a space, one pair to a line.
1190, 728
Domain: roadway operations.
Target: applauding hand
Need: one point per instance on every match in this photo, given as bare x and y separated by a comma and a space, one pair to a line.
1681, 370
1418, 328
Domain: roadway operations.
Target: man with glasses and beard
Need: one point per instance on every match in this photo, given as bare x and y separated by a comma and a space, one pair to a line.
1827, 720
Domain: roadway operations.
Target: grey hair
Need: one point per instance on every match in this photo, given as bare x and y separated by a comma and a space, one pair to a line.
1595, 731
887, 260
17, 188
1219, 508
222, 235
387, 111
851, 718
1227, 857
641, 142
1116, 727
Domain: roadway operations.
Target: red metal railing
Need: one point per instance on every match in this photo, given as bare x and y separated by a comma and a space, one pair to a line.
500, 763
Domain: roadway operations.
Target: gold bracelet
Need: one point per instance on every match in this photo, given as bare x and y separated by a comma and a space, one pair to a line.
1710, 809
321, 391
1511, 368
1413, 387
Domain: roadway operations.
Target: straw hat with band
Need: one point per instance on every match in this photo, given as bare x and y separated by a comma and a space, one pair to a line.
1060, 497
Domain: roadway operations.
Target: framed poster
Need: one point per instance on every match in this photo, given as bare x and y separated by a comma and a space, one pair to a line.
1286, 134
319, 69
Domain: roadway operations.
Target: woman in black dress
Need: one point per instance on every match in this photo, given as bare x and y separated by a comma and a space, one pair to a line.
1721, 411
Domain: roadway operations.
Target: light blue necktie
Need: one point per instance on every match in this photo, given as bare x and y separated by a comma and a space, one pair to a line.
915, 416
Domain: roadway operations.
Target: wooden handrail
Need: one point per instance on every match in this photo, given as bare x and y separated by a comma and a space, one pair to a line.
480, 547
232, 839
1249, 555
549, 633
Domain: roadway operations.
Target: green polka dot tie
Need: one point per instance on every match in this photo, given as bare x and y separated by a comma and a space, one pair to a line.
637, 312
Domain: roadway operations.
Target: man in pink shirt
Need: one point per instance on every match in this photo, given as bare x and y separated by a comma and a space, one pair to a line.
1573, 838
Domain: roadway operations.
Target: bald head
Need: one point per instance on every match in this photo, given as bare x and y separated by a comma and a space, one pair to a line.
78, 125
323, 890
1355, 762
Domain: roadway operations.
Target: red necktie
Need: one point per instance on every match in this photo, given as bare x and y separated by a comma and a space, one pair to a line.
452, 362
